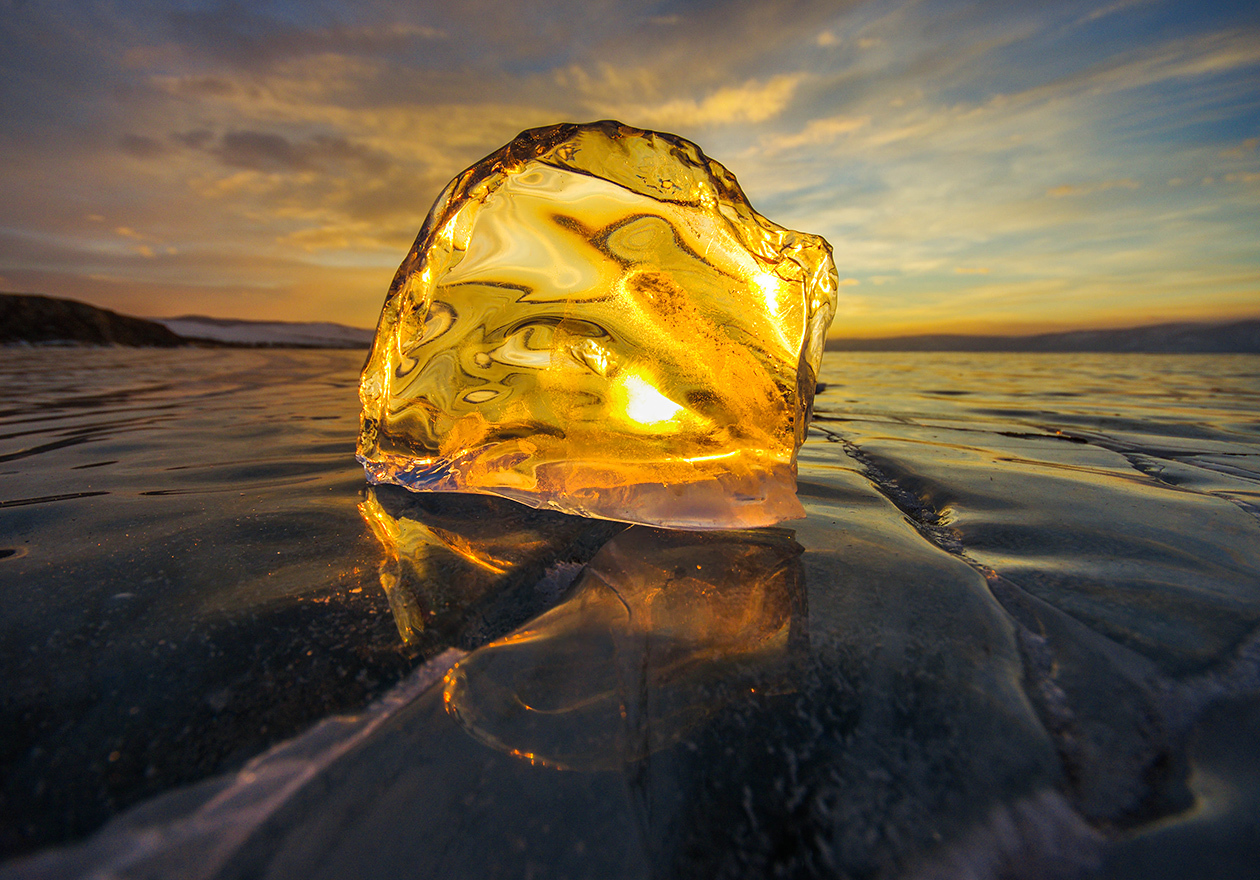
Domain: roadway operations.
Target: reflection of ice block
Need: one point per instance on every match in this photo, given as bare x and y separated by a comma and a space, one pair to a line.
454, 566
661, 630
594, 320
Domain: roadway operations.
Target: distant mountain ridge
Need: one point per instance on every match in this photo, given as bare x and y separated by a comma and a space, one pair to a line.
46, 320
1237, 337
37, 319
229, 331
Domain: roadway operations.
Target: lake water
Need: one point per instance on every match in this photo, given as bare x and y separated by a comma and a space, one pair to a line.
1015, 636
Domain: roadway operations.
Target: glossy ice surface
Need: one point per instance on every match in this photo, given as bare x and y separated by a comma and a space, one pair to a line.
1016, 636
594, 320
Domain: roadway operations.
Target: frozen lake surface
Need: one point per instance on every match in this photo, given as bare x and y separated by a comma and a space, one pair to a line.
1016, 636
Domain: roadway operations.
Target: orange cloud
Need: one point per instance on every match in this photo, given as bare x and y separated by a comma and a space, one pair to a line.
1058, 192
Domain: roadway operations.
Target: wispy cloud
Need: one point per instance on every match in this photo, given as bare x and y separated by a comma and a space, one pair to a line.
1109, 9
753, 101
1084, 189
815, 133
1242, 151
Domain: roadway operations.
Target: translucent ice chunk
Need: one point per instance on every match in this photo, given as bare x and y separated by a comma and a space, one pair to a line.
593, 319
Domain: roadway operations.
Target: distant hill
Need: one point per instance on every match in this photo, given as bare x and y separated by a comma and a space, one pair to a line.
44, 319
268, 333
1239, 337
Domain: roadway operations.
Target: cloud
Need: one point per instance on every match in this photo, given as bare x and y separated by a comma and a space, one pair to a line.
265, 151
1109, 9
1244, 149
248, 35
196, 139
197, 86
817, 131
754, 101
261, 151
142, 146
1182, 58
1084, 189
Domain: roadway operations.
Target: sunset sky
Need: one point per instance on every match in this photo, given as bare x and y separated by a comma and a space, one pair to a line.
977, 167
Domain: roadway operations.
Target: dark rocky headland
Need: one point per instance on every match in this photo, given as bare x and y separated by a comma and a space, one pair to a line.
45, 319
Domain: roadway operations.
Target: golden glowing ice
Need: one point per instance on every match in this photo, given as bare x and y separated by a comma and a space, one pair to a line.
594, 320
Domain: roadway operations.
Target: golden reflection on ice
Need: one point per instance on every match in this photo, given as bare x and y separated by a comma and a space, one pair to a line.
443, 561
642, 403
662, 629
769, 287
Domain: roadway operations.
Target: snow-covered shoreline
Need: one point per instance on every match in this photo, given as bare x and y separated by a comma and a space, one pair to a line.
272, 333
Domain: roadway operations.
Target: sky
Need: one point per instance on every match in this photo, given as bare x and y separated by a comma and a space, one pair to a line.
991, 167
